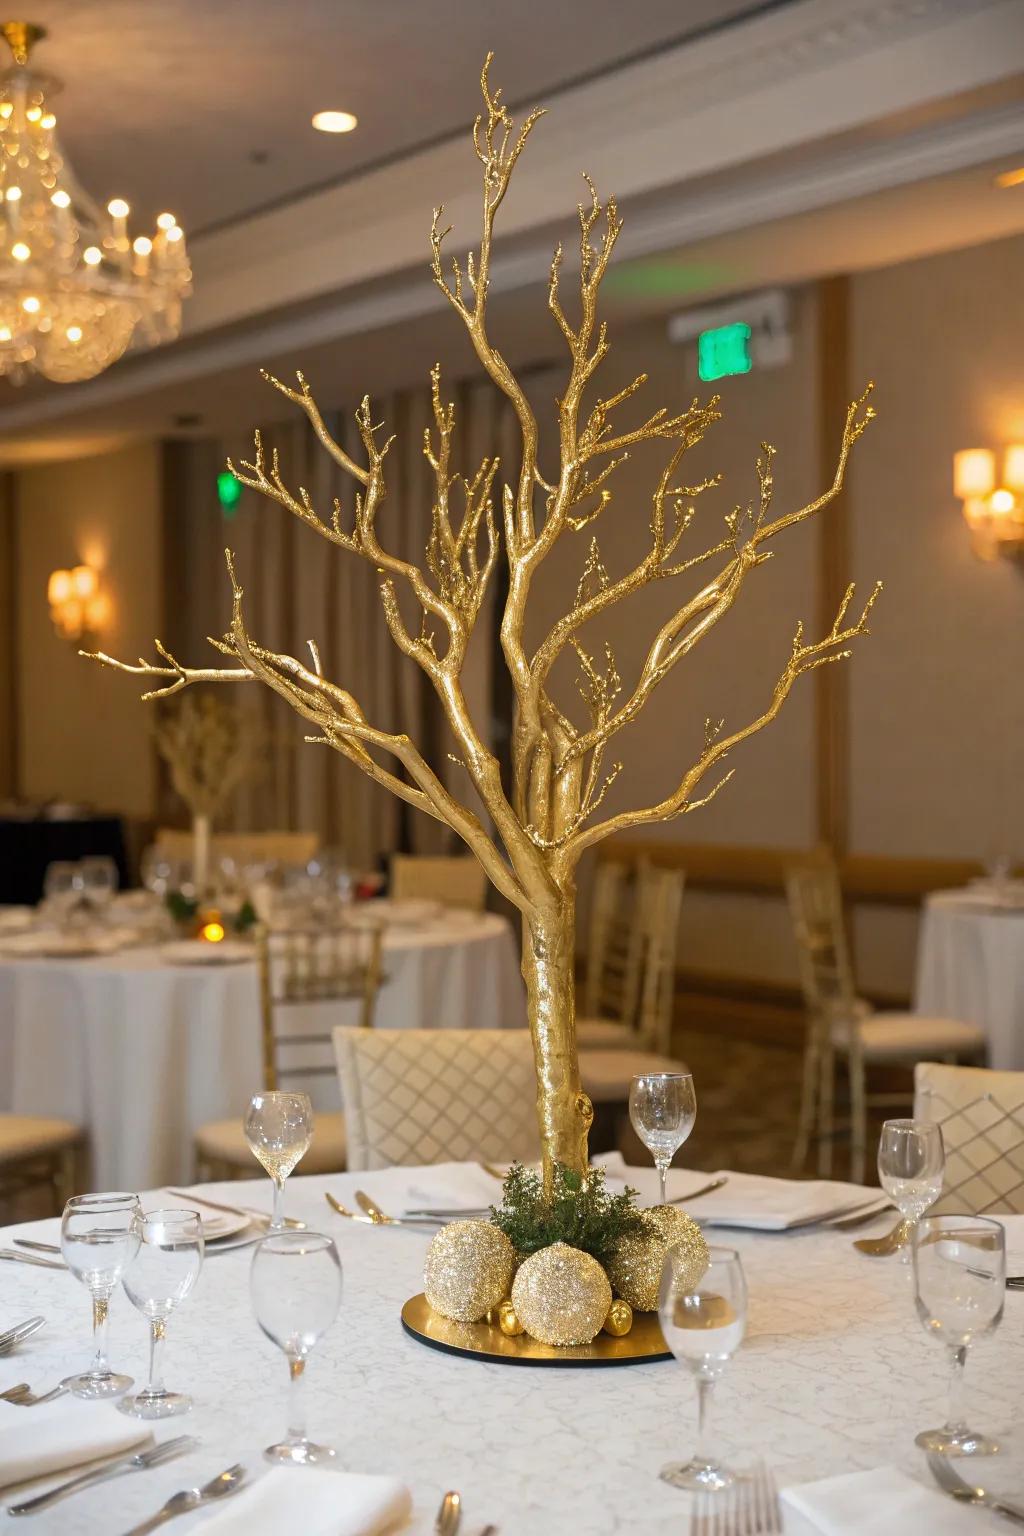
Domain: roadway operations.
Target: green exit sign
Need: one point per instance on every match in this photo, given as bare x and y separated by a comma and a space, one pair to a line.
228, 492
723, 351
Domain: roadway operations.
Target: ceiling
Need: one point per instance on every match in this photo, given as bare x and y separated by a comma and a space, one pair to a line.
204, 108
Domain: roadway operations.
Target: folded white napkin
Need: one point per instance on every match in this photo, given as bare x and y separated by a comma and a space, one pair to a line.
882, 1502
446, 1185
65, 1433
746, 1200
317, 1502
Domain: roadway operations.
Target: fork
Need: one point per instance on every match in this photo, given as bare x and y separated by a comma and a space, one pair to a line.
748, 1507
382, 1219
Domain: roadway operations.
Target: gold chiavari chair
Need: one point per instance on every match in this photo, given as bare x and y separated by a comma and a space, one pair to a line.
630, 978
294, 848
37, 1153
842, 1026
455, 882
303, 971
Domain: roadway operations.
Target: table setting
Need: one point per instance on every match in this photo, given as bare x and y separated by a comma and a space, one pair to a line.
820, 1361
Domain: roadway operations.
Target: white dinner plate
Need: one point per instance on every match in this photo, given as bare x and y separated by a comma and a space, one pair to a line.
200, 952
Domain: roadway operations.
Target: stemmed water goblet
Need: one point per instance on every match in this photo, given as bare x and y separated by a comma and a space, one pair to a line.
98, 876
62, 884
911, 1168
960, 1288
99, 1238
279, 1129
703, 1324
295, 1283
662, 1109
157, 1281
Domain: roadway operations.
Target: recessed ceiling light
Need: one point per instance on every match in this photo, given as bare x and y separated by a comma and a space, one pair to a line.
334, 122
1011, 178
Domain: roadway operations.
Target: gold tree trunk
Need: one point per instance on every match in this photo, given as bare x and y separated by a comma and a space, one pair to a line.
564, 1112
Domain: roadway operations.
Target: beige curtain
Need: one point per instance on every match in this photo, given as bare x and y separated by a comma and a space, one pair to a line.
299, 587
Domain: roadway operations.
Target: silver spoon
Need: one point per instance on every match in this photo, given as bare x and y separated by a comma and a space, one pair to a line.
191, 1498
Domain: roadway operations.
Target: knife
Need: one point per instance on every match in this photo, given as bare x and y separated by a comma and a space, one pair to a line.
138, 1462
14, 1257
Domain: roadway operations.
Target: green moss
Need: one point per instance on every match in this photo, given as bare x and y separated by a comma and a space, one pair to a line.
584, 1216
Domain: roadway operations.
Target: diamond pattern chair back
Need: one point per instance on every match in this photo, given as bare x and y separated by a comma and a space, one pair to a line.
304, 974
981, 1113
415, 1096
456, 882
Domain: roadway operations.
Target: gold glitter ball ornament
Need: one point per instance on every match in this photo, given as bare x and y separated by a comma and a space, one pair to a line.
635, 1271
620, 1318
561, 1295
468, 1270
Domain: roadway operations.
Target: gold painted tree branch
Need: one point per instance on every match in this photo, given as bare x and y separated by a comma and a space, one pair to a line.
544, 818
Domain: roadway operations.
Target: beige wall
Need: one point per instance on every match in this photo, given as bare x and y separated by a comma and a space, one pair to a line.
82, 733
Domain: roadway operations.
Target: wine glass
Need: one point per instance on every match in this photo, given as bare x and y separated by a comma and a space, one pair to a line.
99, 1238
98, 877
960, 1287
703, 1326
662, 1108
61, 886
279, 1129
157, 1281
911, 1167
295, 1283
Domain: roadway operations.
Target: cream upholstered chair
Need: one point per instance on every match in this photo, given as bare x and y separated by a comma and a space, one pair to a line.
302, 973
39, 1153
437, 1095
456, 882
631, 958
842, 1025
982, 1118
243, 847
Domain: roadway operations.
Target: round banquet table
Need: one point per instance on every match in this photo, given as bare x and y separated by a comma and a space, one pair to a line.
836, 1375
142, 1052
970, 966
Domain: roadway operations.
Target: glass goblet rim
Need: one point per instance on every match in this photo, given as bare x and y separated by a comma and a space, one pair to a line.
173, 1216
663, 1077
932, 1225
114, 1201
908, 1126
276, 1094
300, 1243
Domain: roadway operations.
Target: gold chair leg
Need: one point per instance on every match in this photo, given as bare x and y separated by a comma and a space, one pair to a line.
808, 1099
858, 1114
826, 1112
65, 1176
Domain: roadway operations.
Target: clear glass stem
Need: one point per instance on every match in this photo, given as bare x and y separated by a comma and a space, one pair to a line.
157, 1335
297, 1399
956, 1420
277, 1220
705, 1394
100, 1317
663, 1168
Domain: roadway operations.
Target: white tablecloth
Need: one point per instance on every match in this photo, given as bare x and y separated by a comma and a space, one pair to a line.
142, 1052
836, 1375
970, 966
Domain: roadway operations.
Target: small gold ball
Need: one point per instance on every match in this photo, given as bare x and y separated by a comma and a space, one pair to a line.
620, 1318
635, 1271
561, 1295
468, 1270
508, 1320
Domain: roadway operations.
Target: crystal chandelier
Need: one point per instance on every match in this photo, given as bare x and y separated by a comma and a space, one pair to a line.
75, 291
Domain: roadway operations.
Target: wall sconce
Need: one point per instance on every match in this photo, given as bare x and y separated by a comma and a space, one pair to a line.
77, 606
993, 507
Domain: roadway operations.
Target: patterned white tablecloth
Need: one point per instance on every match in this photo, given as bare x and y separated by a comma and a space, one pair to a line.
970, 966
142, 1052
836, 1374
